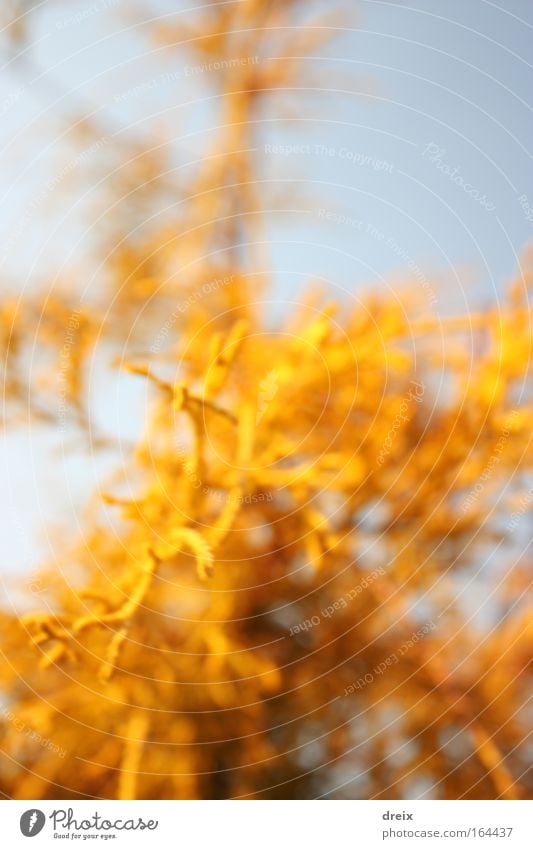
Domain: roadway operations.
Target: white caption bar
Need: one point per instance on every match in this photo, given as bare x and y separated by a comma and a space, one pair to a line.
267, 825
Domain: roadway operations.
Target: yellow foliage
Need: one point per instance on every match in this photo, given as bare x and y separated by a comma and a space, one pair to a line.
272, 611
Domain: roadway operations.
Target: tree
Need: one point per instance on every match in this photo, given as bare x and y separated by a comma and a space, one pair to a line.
263, 603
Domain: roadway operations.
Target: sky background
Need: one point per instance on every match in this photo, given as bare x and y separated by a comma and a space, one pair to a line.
409, 96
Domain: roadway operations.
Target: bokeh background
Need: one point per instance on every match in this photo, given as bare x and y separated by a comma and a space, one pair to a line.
396, 152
